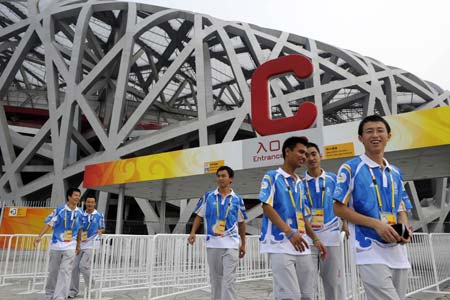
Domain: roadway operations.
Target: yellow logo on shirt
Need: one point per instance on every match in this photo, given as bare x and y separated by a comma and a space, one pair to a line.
342, 178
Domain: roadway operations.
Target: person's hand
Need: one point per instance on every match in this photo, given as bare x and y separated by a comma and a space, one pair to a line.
37, 241
99, 233
322, 249
345, 229
242, 251
298, 242
387, 233
191, 239
77, 250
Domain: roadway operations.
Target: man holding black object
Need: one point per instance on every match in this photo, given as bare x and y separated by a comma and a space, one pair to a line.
370, 195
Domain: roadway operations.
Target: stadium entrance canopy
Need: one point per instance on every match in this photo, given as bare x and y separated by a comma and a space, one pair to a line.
420, 146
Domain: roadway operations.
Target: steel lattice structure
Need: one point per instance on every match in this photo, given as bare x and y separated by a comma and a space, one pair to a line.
122, 79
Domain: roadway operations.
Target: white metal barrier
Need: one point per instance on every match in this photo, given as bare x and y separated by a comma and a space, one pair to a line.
162, 265
422, 274
20, 259
4, 254
121, 263
429, 256
178, 267
253, 265
175, 266
440, 247
352, 284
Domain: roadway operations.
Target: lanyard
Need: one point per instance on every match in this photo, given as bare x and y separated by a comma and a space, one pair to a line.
292, 197
90, 217
217, 206
377, 190
323, 191
65, 219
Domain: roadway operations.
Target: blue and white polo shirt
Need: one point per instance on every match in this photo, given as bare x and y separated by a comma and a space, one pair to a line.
63, 219
356, 189
275, 193
91, 223
231, 208
329, 233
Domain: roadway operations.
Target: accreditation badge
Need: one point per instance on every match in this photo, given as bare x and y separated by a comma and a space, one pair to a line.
219, 228
84, 236
300, 223
317, 218
68, 236
388, 218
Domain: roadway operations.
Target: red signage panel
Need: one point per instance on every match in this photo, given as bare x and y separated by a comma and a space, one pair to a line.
261, 108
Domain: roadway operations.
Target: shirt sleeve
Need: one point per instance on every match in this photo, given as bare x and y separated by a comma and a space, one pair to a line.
201, 207
242, 212
267, 190
343, 189
52, 218
101, 223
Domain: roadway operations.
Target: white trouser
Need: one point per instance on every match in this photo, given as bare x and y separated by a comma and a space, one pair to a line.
382, 282
81, 265
59, 272
331, 272
293, 276
222, 272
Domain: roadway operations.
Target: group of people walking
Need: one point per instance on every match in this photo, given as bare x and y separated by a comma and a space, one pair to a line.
302, 220
75, 234
303, 217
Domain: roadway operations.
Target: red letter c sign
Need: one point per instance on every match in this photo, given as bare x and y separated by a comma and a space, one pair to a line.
261, 110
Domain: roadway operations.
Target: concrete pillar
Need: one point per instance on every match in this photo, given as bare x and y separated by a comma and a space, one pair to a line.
120, 205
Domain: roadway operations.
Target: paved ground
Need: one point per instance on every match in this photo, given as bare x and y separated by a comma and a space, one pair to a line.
261, 290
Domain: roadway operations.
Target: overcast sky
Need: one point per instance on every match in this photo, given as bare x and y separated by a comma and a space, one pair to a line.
410, 34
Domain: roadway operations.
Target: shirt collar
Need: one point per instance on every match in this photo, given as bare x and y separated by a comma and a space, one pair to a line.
287, 175
66, 207
309, 177
93, 213
216, 192
365, 159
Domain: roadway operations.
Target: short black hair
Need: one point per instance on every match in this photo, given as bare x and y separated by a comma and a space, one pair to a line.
292, 141
373, 118
70, 192
312, 145
226, 168
91, 195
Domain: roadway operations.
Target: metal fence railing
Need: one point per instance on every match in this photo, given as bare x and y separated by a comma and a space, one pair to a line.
121, 263
254, 265
162, 265
20, 259
430, 265
352, 284
178, 267
440, 247
421, 275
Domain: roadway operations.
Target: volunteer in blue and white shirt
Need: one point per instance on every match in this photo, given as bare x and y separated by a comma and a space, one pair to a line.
320, 186
285, 226
65, 221
370, 194
224, 214
93, 226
